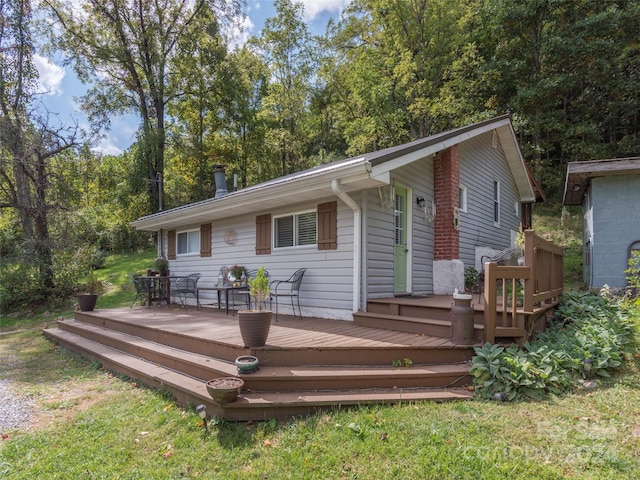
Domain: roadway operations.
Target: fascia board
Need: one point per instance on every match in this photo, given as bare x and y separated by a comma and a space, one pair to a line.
516, 163
433, 148
260, 197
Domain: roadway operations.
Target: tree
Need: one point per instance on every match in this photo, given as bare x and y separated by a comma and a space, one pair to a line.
125, 48
199, 76
568, 70
244, 133
393, 60
27, 144
287, 49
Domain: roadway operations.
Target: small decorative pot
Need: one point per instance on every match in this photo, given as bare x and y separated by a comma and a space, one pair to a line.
247, 364
224, 389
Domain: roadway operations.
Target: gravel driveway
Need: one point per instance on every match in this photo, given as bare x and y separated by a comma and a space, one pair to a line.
15, 411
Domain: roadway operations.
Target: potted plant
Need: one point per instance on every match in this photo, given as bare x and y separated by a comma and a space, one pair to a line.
161, 264
255, 324
224, 389
247, 363
87, 301
237, 273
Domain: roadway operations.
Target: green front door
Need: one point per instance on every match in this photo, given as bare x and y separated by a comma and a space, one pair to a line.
400, 240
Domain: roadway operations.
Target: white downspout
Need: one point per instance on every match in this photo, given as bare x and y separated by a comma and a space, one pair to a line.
357, 239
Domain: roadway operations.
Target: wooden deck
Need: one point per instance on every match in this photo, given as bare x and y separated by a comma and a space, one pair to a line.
307, 364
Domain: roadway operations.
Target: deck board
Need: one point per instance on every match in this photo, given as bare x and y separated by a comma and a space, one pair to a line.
288, 332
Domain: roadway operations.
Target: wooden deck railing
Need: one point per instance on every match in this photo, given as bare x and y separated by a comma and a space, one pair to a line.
512, 293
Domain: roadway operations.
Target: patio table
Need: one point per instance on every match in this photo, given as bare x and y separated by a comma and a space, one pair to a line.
159, 287
219, 289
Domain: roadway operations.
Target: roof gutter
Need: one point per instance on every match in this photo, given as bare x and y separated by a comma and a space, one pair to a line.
357, 239
270, 194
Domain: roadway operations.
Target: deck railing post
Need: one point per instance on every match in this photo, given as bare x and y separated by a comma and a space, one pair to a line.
530, 262
490, 310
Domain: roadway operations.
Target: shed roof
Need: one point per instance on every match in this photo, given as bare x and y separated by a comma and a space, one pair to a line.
579, 175
357, 173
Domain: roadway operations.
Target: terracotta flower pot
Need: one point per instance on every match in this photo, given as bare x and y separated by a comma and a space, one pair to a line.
224, 389
254, 327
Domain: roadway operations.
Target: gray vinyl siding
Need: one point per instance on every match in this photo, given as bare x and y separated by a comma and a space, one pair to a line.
616, 225
418, 179
328, 281
379, 245
480, 164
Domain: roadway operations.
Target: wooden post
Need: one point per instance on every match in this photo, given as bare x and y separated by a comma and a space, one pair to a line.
490, 302
529, 261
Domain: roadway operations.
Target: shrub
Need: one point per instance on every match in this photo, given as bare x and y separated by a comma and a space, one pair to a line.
17, 282
471, 277
633, 272
259, 288
586, 326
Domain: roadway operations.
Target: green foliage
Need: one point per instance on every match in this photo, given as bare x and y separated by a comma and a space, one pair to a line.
237, 271
407, 362
587, 326
633, 272
16, 284
471, 277
93, 285
161, 264
259, 288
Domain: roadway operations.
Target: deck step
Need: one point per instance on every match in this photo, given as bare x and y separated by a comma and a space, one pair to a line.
255, 404
274, 378
194, 364
357, 377
419, 325
393, 346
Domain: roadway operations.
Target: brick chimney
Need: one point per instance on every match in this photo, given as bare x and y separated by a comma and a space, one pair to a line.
448, 270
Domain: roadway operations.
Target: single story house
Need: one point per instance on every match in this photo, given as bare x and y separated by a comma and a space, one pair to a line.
609, 192
405, 220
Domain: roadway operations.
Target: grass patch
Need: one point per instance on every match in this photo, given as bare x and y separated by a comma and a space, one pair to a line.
119, 291
116, 276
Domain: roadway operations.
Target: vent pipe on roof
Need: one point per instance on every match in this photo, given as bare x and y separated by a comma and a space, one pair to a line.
221, 182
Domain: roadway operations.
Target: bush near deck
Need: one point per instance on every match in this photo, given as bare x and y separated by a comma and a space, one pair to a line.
586, 326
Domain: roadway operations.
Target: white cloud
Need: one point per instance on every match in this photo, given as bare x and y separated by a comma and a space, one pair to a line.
107, 147
237, 31
50, 76
312, 8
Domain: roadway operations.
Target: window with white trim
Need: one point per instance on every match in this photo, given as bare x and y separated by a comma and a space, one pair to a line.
496, 202
188, 242
463, 198
295, 230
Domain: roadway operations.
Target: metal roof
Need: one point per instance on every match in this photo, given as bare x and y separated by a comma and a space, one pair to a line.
357, 173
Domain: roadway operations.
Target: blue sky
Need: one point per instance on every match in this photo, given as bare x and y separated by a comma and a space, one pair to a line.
59, 86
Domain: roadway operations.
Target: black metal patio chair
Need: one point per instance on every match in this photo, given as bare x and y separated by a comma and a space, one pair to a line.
287, 288
143, 289
182, 287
